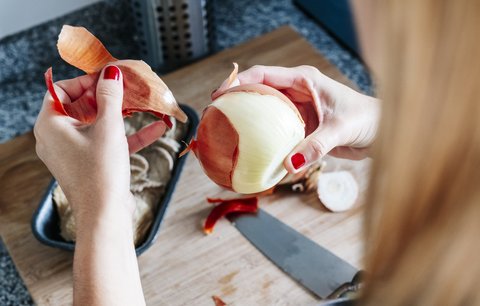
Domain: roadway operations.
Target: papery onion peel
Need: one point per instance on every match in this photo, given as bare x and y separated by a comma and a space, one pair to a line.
218, 301
224, 207
57, 104
144, 91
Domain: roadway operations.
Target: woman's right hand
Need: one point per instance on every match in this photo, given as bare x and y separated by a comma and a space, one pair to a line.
339, 120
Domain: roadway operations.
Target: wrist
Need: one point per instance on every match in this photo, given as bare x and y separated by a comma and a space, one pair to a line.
362, 116
372, 108
104, 225
91, 211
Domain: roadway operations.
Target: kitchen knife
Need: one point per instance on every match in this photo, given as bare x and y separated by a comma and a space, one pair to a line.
311, 265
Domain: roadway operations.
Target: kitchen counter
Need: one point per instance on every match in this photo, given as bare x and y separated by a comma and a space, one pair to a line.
25, 56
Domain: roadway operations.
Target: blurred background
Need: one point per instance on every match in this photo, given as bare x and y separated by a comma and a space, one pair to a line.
167, 34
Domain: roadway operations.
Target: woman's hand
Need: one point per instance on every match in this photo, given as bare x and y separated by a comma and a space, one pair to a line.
91, 161
339, 121
91, 164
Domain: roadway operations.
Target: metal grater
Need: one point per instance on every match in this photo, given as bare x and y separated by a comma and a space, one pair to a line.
172, 33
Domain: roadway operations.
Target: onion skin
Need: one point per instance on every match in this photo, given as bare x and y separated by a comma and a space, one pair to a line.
219, 146
57, 104
144, 91
78, 47
217, 161
218, 301
226, 207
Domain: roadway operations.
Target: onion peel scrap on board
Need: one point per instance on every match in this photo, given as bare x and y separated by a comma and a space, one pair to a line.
225, 207
218, 301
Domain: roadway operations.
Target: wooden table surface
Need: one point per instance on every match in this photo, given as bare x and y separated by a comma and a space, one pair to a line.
184, 266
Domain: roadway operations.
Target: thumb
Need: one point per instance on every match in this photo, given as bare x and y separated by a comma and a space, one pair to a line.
109, 93
310, 150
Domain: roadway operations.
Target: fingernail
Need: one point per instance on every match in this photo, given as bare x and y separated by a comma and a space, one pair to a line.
298, 160
111, 73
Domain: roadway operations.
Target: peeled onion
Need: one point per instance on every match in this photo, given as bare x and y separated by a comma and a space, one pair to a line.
244, 136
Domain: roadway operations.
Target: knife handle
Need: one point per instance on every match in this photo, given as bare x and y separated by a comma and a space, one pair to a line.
349, 289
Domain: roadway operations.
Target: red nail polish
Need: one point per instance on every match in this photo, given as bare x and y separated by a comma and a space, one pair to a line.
298, 160
111, 73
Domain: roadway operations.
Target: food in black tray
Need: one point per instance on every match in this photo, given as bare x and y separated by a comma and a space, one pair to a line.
151, 170
155, 171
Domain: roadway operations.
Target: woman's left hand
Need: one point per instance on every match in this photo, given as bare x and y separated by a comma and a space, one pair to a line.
91, 164
91, 161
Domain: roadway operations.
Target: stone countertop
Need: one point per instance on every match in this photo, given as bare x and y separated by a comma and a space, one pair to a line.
25, 56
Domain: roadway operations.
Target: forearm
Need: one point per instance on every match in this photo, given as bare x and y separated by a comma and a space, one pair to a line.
105, 264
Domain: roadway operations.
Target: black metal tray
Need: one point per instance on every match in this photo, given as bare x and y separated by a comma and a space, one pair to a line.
46, 222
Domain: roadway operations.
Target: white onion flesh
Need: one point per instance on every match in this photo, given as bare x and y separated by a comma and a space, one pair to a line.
264, 141
338, 191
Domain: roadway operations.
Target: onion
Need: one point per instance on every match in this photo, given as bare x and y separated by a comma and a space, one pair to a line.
244, 136
338, 191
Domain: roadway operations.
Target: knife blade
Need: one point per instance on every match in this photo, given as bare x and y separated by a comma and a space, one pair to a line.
313, 266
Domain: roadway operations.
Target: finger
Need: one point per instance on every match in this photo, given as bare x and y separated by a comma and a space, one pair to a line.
48, 110
75, 87
296, 82
311, 149
56, 96
109, 94
49, 119
278, 77
350, 152
253, 75
146, 136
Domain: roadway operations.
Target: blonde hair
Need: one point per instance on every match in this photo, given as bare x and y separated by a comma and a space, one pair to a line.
423, 214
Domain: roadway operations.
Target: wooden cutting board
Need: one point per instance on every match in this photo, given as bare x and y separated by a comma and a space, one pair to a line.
184, 266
